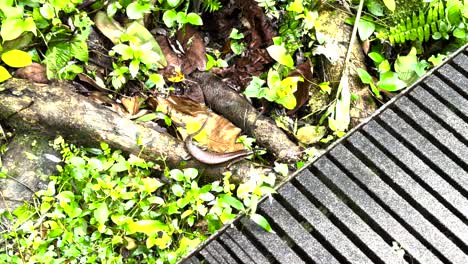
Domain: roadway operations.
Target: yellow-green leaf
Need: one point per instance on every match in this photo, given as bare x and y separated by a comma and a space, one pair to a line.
390, 4
280, 54
148, 227
4, 74
17, 58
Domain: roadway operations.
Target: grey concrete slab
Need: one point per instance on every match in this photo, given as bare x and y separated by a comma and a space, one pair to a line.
323, 225
218, 251
433, 181
242, 247
442, 89
393, 200
455, 77
314, 250
380, 215
383, 250
409, 189
442, 135
272, 242
426, 148
441, 111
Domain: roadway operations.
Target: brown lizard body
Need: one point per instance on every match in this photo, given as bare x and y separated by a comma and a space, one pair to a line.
209, 157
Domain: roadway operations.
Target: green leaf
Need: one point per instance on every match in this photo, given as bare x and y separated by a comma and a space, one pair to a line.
144, 37
17, 58
147, 118
177, 190
148, 227
101, 213
173, 3
190, 173
389, 81
232, 201
375, 7
366, 78
376, 57
390, 4
280, 54
177, 175
237, 47
137, 10
365, 29
261, 221
235, 34
13, 28
253, 90
194, 19
459, 33
4, 74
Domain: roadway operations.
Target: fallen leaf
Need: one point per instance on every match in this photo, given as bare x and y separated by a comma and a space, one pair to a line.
221, 135
110, 28
35, 72
310, 134
194, 47
132, 104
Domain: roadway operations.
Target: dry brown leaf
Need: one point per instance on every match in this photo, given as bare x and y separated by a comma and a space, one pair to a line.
132, 104
194, 47
35, 72
221, 135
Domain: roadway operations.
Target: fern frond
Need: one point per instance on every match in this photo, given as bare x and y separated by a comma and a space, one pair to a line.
212, 5
440, 16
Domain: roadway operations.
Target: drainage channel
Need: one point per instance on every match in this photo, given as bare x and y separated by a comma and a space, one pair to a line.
395, 190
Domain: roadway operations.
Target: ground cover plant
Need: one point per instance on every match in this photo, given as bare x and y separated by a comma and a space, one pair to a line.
205, 69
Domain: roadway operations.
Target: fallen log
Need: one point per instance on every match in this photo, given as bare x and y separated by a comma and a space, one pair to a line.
238, 110
57, 109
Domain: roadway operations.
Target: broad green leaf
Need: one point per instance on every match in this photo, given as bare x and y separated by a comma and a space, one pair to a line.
147, 118
101, 213
194, 19
280, 54
389, 81
173, 3
365, 77
254, 88
390, 4
177, 174
137, 10
151, 184
296, 6
384, 66
16, 58
177, 190
376, 57
144, 37
4, 74
459, 33
148, 227
190, 173
13, 28
261, 221
288, 101
375, 7
437, 59
235, 34
232, 201
365, 29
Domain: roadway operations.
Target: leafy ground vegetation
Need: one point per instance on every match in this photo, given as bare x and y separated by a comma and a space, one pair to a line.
104, 206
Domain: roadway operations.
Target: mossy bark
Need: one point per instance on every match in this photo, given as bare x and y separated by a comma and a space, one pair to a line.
56, 109
332, 25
